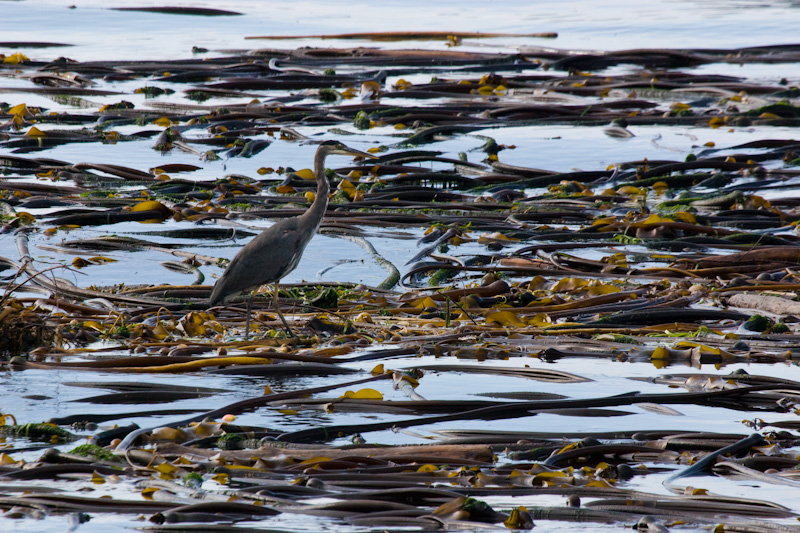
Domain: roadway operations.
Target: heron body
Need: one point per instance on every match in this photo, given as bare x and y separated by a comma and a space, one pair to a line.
277, 250
273, 253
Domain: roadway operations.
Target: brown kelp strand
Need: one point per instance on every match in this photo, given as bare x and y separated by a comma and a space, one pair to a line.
491, 329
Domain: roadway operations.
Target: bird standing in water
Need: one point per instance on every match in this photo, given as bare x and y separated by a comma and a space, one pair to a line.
275, 252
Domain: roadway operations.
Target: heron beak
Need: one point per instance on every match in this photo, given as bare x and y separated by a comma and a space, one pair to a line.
356, 153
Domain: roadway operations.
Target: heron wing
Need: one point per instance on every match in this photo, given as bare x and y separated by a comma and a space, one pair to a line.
271, 255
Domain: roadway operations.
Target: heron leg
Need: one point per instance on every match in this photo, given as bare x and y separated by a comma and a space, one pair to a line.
278, 309
247, 322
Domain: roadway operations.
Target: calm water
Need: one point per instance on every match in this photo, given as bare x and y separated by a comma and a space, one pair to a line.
100, 33
97, 32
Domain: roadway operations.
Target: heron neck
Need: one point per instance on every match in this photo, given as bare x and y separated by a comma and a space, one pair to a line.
317, 209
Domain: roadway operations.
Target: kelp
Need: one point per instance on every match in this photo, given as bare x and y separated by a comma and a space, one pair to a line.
513, 268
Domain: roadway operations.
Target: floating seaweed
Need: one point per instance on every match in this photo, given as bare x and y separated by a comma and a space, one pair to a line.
425, 401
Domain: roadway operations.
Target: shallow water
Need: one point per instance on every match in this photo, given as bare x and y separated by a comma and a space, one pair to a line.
98, 33
95, 30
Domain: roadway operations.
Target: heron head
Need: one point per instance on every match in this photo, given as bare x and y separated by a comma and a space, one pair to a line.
335, 147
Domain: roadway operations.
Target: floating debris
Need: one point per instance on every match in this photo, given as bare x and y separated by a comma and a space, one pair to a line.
519, 266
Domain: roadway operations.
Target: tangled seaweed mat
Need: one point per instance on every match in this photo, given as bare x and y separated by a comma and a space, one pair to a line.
668, 262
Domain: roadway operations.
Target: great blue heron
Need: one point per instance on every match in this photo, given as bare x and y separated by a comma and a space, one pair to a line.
276, 251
